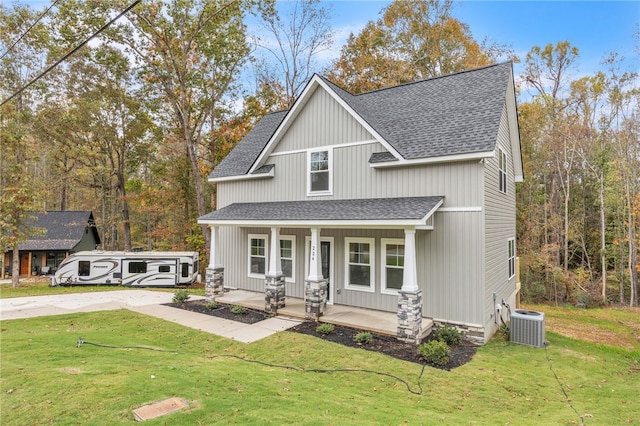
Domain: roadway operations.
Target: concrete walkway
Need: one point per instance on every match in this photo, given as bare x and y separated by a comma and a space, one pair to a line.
144, 302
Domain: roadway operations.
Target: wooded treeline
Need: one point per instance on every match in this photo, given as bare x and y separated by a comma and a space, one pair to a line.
132, 123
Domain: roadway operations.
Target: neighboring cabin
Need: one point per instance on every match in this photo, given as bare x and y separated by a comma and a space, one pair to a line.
56, 235
398, 200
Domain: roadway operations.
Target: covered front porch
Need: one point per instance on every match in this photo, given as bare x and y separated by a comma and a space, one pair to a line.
322, 294
385, 323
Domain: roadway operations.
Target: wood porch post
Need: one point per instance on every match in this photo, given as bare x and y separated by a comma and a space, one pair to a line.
315, 261
214, 252
275, 265
410, 275
410, 295
274, 293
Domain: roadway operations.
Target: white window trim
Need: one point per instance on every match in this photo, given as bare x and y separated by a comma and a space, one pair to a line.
372, 264
330, 170
291, 238
511, 260
266, 255
502, 159
383, 264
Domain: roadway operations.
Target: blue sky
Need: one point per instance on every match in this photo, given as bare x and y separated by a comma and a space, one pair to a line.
595, 27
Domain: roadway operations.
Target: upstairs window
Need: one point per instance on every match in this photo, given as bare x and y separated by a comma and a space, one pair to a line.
319, 179
502, 170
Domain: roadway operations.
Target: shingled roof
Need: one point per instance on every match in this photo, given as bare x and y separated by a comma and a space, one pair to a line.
59, 230
448, 115
357, 210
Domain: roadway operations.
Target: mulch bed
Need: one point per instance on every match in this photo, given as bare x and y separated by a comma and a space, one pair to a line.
460, 354
251, 316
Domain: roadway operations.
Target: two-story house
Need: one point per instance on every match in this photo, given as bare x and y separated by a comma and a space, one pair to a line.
399, 200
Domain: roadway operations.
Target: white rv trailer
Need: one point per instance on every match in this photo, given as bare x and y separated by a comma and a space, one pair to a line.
130, 269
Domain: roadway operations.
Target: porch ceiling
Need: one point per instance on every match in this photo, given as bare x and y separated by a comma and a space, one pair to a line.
353, 213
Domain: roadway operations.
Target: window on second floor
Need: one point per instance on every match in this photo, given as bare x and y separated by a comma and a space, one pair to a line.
319, 178
502, 170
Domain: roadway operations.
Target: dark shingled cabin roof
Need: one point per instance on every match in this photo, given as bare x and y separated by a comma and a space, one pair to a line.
449, 115
59, 230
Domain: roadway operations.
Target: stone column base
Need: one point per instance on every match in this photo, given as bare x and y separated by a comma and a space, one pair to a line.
315, 298
274, 294
409, 316
214, 283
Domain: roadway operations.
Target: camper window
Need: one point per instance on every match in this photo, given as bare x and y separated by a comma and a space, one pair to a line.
164, 268
84, 268
185, 269
137, 267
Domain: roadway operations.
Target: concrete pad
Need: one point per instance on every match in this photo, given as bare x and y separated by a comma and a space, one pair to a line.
278, 323
251, 333
159, 408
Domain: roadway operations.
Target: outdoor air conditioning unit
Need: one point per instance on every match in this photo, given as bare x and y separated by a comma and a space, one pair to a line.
527, 328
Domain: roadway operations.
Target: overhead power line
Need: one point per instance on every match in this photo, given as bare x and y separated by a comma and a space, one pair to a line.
45, 72
29, 29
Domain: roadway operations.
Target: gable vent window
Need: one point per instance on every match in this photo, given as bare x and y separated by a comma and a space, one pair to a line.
502, 172
319, 179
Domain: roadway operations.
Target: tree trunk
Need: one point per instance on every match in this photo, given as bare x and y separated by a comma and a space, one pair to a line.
603, 242
15, 267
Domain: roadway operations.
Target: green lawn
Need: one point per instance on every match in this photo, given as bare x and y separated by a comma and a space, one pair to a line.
46, 379
40, 287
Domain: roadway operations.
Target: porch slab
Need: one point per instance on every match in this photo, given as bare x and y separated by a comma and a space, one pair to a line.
363, 319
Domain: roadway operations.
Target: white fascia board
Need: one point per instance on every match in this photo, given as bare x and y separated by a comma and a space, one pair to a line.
514, 132
432, 211
346, 224
288, 120
432, 160
360, 120
304, 97
270, 174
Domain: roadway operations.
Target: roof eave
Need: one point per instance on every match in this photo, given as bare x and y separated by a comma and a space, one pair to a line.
431, 160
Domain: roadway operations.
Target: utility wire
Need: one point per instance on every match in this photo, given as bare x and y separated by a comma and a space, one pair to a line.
29, 29
81, 342
45, 72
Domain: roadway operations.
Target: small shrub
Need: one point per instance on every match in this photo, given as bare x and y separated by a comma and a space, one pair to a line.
212, 305
181, 296
238, 310
363, 338
325, 328
450, 335
435, 352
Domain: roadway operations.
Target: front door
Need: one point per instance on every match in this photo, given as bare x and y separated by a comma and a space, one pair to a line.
327, 263
24, 263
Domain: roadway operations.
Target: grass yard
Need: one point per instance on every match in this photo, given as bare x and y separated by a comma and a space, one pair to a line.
40, 287
46, 379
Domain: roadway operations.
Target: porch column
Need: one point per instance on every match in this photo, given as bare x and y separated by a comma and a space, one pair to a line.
214, 276
315, 286
410, 295
274, 293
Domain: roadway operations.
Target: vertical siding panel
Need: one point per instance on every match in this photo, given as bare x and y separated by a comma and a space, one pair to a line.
499, 225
